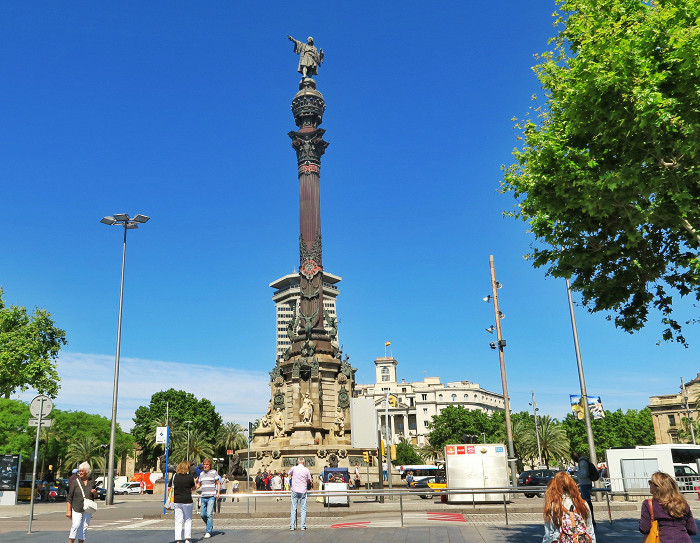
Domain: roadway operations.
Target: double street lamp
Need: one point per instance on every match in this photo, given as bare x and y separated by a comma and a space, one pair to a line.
121, 219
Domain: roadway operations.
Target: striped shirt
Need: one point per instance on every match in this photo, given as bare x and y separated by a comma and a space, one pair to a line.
208, 480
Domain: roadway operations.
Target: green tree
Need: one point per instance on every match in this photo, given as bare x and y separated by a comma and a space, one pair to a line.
617, 429
181, 406
15, 436
430, 453
406, 453
29, 346
85, 448
607, 174
455, 423
554, 442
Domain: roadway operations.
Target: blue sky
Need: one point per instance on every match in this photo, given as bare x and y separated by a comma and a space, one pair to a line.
180, 110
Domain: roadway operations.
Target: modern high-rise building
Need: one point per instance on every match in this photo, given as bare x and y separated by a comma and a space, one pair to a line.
286, 298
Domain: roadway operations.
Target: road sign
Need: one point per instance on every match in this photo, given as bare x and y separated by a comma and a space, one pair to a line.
44, 422
161, 434
41, 406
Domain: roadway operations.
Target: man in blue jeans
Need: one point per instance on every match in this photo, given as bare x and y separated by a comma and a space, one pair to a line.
300, 476
210, 484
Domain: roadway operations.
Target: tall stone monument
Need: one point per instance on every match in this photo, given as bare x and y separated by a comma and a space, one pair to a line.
311, 384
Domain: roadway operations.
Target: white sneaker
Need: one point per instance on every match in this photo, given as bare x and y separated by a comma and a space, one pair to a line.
207, 535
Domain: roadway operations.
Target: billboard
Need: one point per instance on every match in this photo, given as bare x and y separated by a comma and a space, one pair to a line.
595, 406
9, 471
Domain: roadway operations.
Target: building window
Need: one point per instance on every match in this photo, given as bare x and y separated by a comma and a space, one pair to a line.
403, 390
454, 397
424, 397
425, 410
672, 420
440, 397
385, 377
425, 423
385, 370
466, 397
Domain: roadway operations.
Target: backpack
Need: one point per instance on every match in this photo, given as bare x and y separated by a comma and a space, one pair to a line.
573, 529
593, 473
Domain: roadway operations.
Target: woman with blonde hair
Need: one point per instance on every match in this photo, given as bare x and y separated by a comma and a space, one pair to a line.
183, 485
669, 508
566, 512
81, 488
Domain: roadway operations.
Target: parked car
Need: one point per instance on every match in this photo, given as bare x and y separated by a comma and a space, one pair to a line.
430, 485
102, 492
536, 477
24, 491
133, 487
686, 478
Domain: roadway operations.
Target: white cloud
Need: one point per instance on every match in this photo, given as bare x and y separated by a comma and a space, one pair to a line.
87, 381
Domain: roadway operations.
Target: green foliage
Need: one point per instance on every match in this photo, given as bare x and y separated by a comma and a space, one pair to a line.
406, 454
67, 430
29, 346
607, 174
182, 406
231, 437
617, 429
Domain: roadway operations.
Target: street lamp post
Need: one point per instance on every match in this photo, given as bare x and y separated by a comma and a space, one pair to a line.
535, 409
495, 285
122, 219
188, 422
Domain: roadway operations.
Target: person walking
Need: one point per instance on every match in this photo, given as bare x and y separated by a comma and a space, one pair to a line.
357, 476
409, 480
301, 477
142, 486
385, 471
210, 485
222, 495
80, 489
566, 513
183, 484
585, 484
670, 509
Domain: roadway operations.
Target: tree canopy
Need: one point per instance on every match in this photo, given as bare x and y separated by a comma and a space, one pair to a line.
617, 429
181, 406
607, 176
29, 346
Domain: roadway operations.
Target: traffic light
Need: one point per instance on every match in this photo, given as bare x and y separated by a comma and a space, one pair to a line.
365, 456
392, 449
383, 453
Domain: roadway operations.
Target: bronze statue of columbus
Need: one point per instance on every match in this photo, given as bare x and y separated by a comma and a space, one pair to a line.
310, 58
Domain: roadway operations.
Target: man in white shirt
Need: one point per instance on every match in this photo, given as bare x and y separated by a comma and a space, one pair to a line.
210, 484
300, 476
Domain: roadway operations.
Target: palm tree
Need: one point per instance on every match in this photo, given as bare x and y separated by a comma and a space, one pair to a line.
86, 448
200, 447
429, 453
231, 436
553, 441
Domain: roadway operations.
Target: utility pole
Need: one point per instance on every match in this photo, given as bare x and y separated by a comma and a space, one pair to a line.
582, 381
495, 285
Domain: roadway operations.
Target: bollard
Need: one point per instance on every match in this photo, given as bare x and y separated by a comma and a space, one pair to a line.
401, 507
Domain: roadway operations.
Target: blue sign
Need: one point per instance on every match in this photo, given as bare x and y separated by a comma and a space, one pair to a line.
499, 449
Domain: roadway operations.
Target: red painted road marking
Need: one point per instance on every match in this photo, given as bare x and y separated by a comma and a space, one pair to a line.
449, 517
352, 524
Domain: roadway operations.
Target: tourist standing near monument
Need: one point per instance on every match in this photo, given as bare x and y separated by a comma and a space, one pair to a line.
301, 477
210, 484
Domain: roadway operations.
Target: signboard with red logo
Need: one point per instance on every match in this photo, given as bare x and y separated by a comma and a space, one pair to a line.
460, 449
470, 449
476, 466
450, 450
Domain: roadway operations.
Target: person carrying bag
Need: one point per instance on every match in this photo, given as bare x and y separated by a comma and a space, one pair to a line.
80, 508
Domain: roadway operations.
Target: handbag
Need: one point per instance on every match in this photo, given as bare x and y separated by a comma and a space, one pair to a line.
89, 506
653, 535
309, 484
171, 495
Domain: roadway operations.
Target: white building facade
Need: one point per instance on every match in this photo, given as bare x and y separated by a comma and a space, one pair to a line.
286, 297
412, 405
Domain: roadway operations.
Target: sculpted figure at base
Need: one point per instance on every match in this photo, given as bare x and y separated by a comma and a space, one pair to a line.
309, 57
306, 411
339, 423
278, 422
266, 421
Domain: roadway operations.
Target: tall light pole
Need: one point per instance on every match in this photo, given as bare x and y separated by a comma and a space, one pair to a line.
495, 285
535, 409
188, 422
582, 381
122, 219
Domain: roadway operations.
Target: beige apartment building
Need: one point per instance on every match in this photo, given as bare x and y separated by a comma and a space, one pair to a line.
668, 410
412, 405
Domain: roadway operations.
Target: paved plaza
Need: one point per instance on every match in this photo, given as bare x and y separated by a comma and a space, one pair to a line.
140, 519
